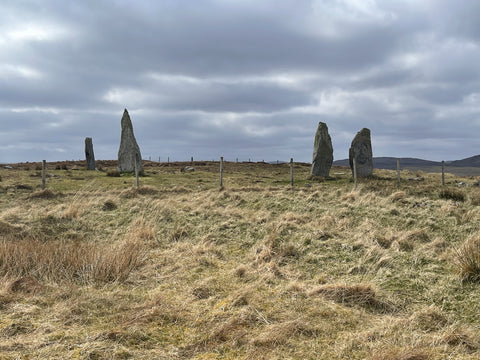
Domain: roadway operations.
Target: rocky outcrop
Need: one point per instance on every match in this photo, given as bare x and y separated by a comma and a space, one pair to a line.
89, 155
361, 150
129, 152
322, 152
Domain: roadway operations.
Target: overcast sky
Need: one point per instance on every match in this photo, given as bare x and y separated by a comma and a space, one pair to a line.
239, 78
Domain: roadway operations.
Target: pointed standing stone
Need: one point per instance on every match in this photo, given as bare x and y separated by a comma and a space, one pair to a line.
129, 152
361, 149
322, 152
89, 155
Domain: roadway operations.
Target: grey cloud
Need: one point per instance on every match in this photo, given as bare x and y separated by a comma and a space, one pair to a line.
404, 69
223, 97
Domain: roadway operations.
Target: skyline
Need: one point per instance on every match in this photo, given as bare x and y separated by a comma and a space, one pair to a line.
239, 79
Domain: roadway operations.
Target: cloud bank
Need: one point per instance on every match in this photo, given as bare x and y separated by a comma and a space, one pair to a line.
239, 79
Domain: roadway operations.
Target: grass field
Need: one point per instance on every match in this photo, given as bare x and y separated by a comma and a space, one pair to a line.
457, 170
94, 268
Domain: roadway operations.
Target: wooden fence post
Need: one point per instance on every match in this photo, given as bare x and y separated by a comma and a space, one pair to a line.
221, 172
443, 173
44, 170
291, 172
355, 172
398, 172
137, 183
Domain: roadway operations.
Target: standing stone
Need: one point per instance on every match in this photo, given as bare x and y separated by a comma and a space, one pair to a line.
129, 152
89, 156
322, 152
361, 149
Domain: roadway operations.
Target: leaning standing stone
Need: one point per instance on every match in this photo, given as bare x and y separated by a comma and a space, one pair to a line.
322, 152
361, 149
129, 152
89, 155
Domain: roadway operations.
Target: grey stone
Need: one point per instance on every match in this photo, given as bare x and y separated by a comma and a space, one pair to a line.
322, 152
89, 155
129, 152
361, 149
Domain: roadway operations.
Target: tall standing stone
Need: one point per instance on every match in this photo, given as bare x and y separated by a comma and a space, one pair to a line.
361, 150
129, 152
322, 152
89, 155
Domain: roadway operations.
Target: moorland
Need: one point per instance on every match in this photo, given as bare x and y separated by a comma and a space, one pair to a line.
93, 267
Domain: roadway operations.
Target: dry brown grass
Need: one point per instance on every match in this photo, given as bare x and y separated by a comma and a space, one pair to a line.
8, 229
113, 173
26, 284
60, 261
466, 340
281, 333
147, 190
109, 205
429, 319
474, 197
43, 194
452, 194
403, 354
467, 259
73, 211
398, 196
360, 294
174, 270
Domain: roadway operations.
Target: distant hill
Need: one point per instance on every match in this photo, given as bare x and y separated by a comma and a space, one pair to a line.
391, 162
473, 161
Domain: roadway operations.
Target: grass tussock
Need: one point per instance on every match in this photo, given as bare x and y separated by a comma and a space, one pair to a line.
25, 284
141, 230
23, 187
147, 190
282, 333
418, 236
467, 259
43, 194
452, 194
462, 339
113, 173
403, 354
109, 205
398, 196
429, 319
177, 233
7, 228
72, 262
73, 211
141, 190
474, 198
360, 294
